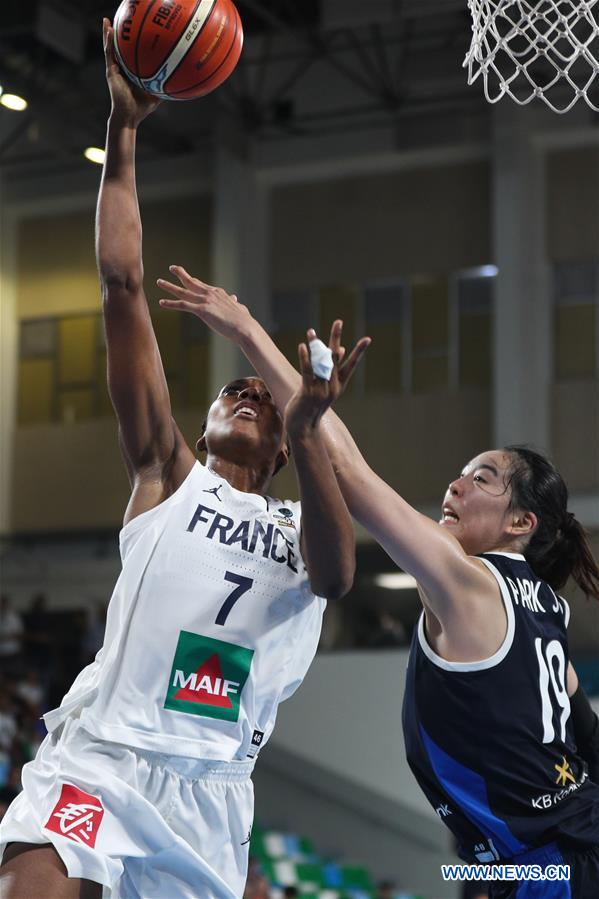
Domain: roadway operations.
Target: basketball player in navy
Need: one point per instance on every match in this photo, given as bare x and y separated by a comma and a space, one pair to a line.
497, 732
143, 783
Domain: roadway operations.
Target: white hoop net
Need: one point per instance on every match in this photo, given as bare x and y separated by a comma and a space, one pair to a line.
527, 49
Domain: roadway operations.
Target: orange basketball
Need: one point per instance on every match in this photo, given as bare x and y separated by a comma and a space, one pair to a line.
178, 49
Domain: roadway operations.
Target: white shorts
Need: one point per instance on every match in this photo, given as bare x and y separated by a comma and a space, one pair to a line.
145, 825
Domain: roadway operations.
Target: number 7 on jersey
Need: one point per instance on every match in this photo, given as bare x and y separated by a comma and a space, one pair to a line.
243, 585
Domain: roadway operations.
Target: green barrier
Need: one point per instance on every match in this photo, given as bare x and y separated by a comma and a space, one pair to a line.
357, 877
309, 873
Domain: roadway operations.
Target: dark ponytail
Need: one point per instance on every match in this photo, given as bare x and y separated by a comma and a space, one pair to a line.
559, 547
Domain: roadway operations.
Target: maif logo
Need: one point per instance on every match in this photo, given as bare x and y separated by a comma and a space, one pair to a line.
207, 677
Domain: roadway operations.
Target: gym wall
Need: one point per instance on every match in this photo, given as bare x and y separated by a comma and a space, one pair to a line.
572, 229
68, 473
400, 240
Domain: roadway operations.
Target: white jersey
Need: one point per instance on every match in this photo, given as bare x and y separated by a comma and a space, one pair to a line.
211, 624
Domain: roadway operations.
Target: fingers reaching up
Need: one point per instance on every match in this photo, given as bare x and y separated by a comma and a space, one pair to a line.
217, 309
343, 365
317, 394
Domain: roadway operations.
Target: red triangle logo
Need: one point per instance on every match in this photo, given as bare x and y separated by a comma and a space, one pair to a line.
208, 686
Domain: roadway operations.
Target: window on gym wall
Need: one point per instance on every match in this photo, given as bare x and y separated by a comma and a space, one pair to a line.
473, 328
576, 320
58, 369
292, 313
62, 366
342, 301
195, 374
430, 314
62, 362
79, 338
430, 333
386, 321
36, 370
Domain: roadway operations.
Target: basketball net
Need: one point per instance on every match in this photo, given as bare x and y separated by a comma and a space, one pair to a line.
527, 49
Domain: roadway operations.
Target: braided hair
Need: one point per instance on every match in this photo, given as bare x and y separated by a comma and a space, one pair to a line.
559, 547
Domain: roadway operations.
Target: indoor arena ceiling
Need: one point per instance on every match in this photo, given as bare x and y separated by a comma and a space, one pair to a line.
309, 68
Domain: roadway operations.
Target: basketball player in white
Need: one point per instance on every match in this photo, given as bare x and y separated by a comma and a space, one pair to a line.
143, 784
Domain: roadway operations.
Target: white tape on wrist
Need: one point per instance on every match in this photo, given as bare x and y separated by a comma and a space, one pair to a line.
322, 359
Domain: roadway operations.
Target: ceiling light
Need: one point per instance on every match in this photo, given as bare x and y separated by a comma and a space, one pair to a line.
479, 271
95, 154
395, 580
11, 101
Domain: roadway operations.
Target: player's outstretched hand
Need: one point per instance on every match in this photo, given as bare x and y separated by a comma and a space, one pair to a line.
130, 104
307, 406
218, 309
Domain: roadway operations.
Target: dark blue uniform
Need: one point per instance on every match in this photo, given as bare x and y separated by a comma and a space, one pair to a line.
491, 743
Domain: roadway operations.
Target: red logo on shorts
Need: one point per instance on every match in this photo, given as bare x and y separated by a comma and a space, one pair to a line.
77, 815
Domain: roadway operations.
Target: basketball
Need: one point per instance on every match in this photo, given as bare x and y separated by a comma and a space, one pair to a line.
178, 49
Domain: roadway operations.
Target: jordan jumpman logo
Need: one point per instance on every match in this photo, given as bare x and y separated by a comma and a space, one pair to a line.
215, 491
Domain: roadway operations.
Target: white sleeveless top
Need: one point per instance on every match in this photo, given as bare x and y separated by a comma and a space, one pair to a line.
211, 624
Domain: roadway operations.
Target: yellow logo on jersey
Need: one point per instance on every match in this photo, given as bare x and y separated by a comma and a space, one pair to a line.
564, 773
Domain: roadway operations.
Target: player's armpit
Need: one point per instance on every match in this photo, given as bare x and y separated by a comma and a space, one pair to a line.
156, 456
154, 482
571, 680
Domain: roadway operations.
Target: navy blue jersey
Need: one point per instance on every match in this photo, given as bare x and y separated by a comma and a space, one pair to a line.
491, 742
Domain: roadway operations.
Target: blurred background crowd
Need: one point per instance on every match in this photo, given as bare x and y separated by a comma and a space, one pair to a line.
41, 652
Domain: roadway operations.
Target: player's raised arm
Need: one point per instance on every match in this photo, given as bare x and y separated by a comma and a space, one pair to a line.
413, 541
328, 543
138, 389
444, 571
